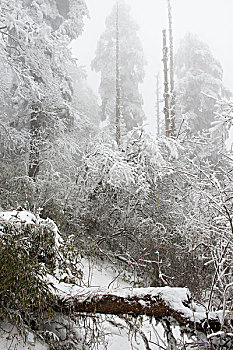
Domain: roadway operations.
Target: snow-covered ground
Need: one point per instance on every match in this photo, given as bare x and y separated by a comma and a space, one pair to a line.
11, 340
101, 274
96, 274
118, 336
116, 332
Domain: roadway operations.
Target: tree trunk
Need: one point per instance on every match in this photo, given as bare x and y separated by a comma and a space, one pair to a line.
157, 105
166, 89
34, 153
172, 90
160, 303
118, 99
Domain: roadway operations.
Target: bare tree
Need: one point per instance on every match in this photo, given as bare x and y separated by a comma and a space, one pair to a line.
157, 105
118, 98
172, 85
166, 88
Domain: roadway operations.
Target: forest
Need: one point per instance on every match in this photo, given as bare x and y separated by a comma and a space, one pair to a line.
112, 237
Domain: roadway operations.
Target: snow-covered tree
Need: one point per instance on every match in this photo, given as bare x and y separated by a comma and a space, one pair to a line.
34, 48
199, 76
131, 68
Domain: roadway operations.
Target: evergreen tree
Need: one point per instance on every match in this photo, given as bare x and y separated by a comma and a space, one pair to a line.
34, 41
131, 71
199, 76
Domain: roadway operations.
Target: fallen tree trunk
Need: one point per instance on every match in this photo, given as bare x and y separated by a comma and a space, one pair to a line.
159, 303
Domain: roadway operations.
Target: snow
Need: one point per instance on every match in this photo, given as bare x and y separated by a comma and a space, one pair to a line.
10, 339
229, 141
175, 297
101, 279
25, 217
99, 273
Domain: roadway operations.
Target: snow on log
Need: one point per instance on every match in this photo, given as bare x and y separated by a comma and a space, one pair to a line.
157, 302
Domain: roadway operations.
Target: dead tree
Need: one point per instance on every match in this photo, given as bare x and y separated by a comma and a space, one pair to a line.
118, 98
160, 303
157, 105
171, 55
166, 86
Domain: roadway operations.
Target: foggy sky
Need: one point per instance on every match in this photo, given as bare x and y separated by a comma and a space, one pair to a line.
211, 20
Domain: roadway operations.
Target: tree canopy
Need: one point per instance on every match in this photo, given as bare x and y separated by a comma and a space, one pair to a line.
199, 77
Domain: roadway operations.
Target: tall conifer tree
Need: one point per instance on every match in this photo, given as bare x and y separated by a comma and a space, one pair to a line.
119, 58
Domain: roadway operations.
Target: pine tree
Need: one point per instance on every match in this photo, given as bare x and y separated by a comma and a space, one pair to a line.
130, 65
199, 75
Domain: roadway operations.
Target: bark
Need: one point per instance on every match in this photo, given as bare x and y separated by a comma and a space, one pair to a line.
157, 105
34, 154
166, 89
172, 90
118, 112
140, 301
